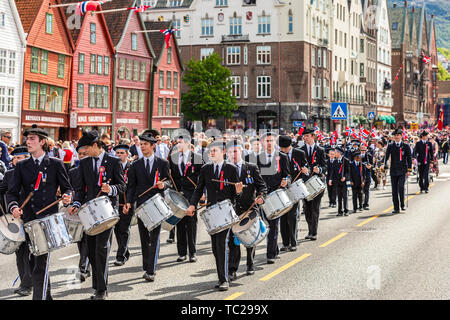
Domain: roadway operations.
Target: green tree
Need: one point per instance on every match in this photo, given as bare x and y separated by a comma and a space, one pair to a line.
209, 95
443, 74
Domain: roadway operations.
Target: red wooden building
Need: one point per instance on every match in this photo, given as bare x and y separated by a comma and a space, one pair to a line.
133, 64
167, 69
92, 73
47, 67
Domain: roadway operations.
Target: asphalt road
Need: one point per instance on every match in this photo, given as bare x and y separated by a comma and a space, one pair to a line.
368, 255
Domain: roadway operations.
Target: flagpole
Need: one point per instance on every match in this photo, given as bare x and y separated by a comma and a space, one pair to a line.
110, 10
137, 31
71, 4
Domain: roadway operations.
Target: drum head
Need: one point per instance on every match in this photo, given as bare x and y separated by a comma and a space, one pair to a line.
178, 199
14, 229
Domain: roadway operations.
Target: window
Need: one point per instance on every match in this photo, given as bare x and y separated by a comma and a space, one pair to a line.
141, 101
92, 63
325, 59
81, 63
135, 70
134, 45
335, 63
168, 105
2, 19
99, 64
91, 96
127, 100
61, 65
12, 62
169, 79
264, 24
169, 55
263, 86
319, 88
106, 67
160, 106
207, 27
120, 99
10, 100
134, 100
236, 86
335, 36
177, 25
361, 69
394, 25
319, 57
175, 3
33, 95
233, 55
174, 107
175, 80
161, 79
55, 105
245, 55
129, 71
325, 89
221, 3
235, 25
291, 23
313, 87
121, 68
3, 59
205, 52
361, 45
345, 40
98, 97
142, 73
42, 96
93, 33
263, 54
80, 95
48, 23
313, 57
44, 62
105, 97
2, 99
245, 87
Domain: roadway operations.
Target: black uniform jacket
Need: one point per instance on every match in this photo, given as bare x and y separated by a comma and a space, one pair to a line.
398, 167
270, 172
256, 186
192, 171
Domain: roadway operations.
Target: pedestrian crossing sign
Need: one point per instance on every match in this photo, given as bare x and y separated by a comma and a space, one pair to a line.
338, 111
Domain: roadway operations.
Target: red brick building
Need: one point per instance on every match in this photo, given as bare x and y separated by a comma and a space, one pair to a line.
166, 80
47, 67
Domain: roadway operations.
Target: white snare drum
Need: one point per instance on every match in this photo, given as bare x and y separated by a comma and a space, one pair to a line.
11, 235
98, 215
48, 234
219, 217
153, 212
74, 226
250, 232
178, 204
297, 191
315, 186
276, 204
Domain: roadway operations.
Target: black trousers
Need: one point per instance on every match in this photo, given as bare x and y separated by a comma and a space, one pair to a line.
424, 170
24, 261
99, 247
122, 233
312, 212
398, 191
272, 238
149, 247
40, 277
357, 195
342, 195
332, 193
374, 177
219, 243
235, 255
172, 233
83, 249
366, 191
187, 235
288, 227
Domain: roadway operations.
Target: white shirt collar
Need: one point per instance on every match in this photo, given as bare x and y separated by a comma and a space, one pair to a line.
151, 158
239, 164
271, 154
40, 158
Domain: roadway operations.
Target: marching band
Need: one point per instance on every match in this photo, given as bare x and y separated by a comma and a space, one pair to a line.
242, 198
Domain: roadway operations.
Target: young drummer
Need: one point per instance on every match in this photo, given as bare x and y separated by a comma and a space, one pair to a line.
357, 178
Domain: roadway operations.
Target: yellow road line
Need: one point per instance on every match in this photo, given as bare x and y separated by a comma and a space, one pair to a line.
368, 220
234, 296
286, 266
333, 240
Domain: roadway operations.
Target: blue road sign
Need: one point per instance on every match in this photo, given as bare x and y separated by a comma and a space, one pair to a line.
371, 115
297, 124
339, 111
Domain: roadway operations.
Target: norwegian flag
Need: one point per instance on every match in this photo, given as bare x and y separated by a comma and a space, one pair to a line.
404, 135
425, 58
168, 34
334, 137
353, 134
139, 8
364, 133
373, 132
85, 6
319, 135
348, 131
316, 128
300, 131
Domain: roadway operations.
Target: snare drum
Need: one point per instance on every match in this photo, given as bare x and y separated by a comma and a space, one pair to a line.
153, 212
250, 231
98, 215
315, 186
297, 191
178, 204
11, 235
48, 234
74, 226
276, 204
219, 217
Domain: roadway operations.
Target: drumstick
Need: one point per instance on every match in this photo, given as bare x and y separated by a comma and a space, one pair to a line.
232, 183
297, 176
26, 200
4, 214
98, 194
191, 181
150, 188
49, 206
246, 213
170, 175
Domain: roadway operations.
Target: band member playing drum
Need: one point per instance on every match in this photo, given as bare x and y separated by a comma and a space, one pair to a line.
255, 186
317, 166
23, 253
423, 152
289, 221
274, 167
122, 228
98, 172
185, 168
144, 173
42, 175
367, 161
224, 172
83, 249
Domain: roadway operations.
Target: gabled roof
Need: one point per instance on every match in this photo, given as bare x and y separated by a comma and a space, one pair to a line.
116, 21
28, 10
18, 22
397, 17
